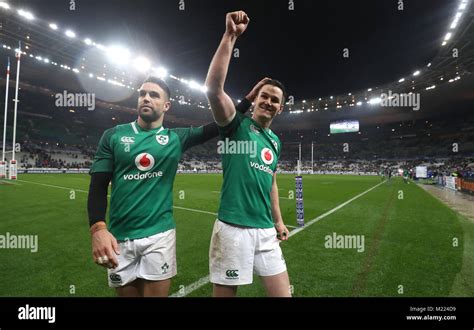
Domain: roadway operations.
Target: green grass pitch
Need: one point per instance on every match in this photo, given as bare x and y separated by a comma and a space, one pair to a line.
410, 242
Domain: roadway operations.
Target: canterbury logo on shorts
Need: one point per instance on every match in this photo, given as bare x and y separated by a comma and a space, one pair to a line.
115, 278
232, 274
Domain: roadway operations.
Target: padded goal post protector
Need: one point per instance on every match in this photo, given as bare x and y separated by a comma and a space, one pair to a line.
299, 201
13, 170
3, 169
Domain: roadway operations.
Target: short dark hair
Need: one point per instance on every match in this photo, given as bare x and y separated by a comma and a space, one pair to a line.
160, 82
278, 84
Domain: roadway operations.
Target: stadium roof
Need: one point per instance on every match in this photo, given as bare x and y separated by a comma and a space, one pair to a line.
302, 47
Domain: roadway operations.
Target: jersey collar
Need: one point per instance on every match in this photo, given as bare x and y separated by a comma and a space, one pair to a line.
268, 130
137, 128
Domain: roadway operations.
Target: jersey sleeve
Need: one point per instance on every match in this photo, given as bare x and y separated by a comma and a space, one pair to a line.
230, 128
189, 137
279, 149
104, 156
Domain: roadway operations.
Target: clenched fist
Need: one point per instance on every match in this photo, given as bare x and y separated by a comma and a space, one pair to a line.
236, 23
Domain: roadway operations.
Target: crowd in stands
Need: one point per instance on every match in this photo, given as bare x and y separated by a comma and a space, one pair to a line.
55, 137
44, 155
204, 158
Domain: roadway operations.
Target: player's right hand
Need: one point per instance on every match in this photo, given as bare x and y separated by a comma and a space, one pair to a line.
236, 23
105, 248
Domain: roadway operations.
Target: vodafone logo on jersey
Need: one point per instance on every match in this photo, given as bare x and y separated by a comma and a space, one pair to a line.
267, 156
144, 161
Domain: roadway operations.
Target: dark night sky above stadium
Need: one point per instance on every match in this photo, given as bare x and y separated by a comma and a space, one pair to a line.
302, 48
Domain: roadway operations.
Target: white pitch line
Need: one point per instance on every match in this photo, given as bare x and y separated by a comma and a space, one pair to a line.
285, 198
10, 182
194, 210
84, 191
204, 280
297, 230
53, 186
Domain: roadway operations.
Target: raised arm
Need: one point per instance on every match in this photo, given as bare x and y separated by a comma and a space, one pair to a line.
222, 106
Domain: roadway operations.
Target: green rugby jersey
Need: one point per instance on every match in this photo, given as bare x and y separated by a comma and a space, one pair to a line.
245, 195
144, 164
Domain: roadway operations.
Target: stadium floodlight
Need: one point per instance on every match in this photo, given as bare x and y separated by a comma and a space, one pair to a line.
401, 80
375, 100
114, 82
101, 47
117, 54
462, 6
142, 64
448, 36
369, 90
454, 23
91, 75
416, 73
75, 70
39, 58
88, 41
331, 97
4, 5
194, 85
428, 65
359, 103
26, 14
70, 34
161, 72
53, 26
444, 43
304, 101
46, 60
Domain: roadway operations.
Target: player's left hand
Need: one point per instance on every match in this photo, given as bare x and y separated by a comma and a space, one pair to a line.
252, 95
282, 231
